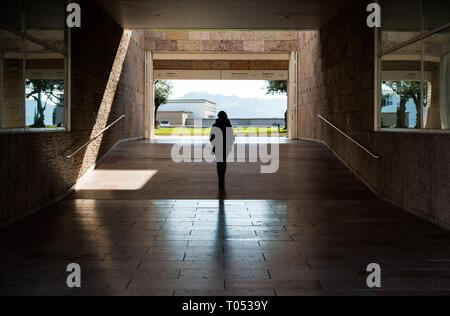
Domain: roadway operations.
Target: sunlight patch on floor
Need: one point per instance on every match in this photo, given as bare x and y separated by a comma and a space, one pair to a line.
117, 180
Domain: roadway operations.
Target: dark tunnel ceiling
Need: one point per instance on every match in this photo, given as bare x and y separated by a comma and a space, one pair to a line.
222, 14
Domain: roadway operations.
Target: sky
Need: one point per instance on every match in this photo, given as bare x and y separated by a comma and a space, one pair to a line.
239, 98
239, 88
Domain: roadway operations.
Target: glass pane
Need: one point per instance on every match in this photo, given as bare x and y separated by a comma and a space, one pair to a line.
437, 80
44, 87
401, 21
12, 113
45, 21
11, 14
436, 13
400, 88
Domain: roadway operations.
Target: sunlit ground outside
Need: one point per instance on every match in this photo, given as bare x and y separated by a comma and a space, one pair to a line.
238, 131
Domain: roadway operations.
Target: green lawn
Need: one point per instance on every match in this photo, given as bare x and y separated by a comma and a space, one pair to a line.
238, 131
46, 126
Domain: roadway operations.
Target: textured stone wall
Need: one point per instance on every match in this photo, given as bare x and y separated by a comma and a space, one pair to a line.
13, 112
221, 64
225, 41
107, 81
336, 80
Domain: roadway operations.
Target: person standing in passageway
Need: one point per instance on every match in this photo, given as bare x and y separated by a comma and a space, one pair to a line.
222, 139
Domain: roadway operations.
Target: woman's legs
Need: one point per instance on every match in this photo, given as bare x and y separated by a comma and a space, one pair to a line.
221, 169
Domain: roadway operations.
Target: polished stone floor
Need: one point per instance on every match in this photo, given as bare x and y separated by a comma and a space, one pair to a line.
310, 229
142, 170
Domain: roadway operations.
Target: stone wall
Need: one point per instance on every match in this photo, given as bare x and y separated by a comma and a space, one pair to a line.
224, 41
107, 81
221, 64
336, 80
11, 100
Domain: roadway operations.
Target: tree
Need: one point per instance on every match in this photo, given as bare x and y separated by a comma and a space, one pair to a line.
37, 89
277, 87
163, 90
406, 90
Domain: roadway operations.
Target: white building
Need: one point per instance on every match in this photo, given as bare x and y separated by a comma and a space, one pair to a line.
175, 118
198, 108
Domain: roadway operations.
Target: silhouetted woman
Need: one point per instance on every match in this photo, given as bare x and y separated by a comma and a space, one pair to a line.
222, 138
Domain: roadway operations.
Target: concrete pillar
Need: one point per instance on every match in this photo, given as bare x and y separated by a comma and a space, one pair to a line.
444, 89
292, 97
149, 120
433, 114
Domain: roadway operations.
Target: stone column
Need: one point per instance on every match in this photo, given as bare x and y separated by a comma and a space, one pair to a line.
433, 115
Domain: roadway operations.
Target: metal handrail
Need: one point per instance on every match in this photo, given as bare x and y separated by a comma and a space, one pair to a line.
351, 139
95, 137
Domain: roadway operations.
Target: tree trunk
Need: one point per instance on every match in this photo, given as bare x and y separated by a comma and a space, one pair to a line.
401, 114
285, 120
418, 118
39, 121
156, 112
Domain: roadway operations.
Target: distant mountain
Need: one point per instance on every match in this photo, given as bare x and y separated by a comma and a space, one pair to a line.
244, 107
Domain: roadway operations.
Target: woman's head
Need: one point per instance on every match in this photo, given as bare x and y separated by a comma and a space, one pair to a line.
222, 115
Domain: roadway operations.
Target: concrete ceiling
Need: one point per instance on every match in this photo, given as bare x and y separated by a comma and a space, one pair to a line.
222, 14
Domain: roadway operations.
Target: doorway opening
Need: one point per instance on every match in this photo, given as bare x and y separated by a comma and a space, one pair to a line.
190, 107
196, 87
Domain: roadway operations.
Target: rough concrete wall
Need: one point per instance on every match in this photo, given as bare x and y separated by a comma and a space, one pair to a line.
336, 79
107, 81
231, 41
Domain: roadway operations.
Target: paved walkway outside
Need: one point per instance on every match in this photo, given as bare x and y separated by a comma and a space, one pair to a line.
143, 225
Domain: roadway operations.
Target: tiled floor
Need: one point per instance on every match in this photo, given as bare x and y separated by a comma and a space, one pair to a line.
141, 170
315, 240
